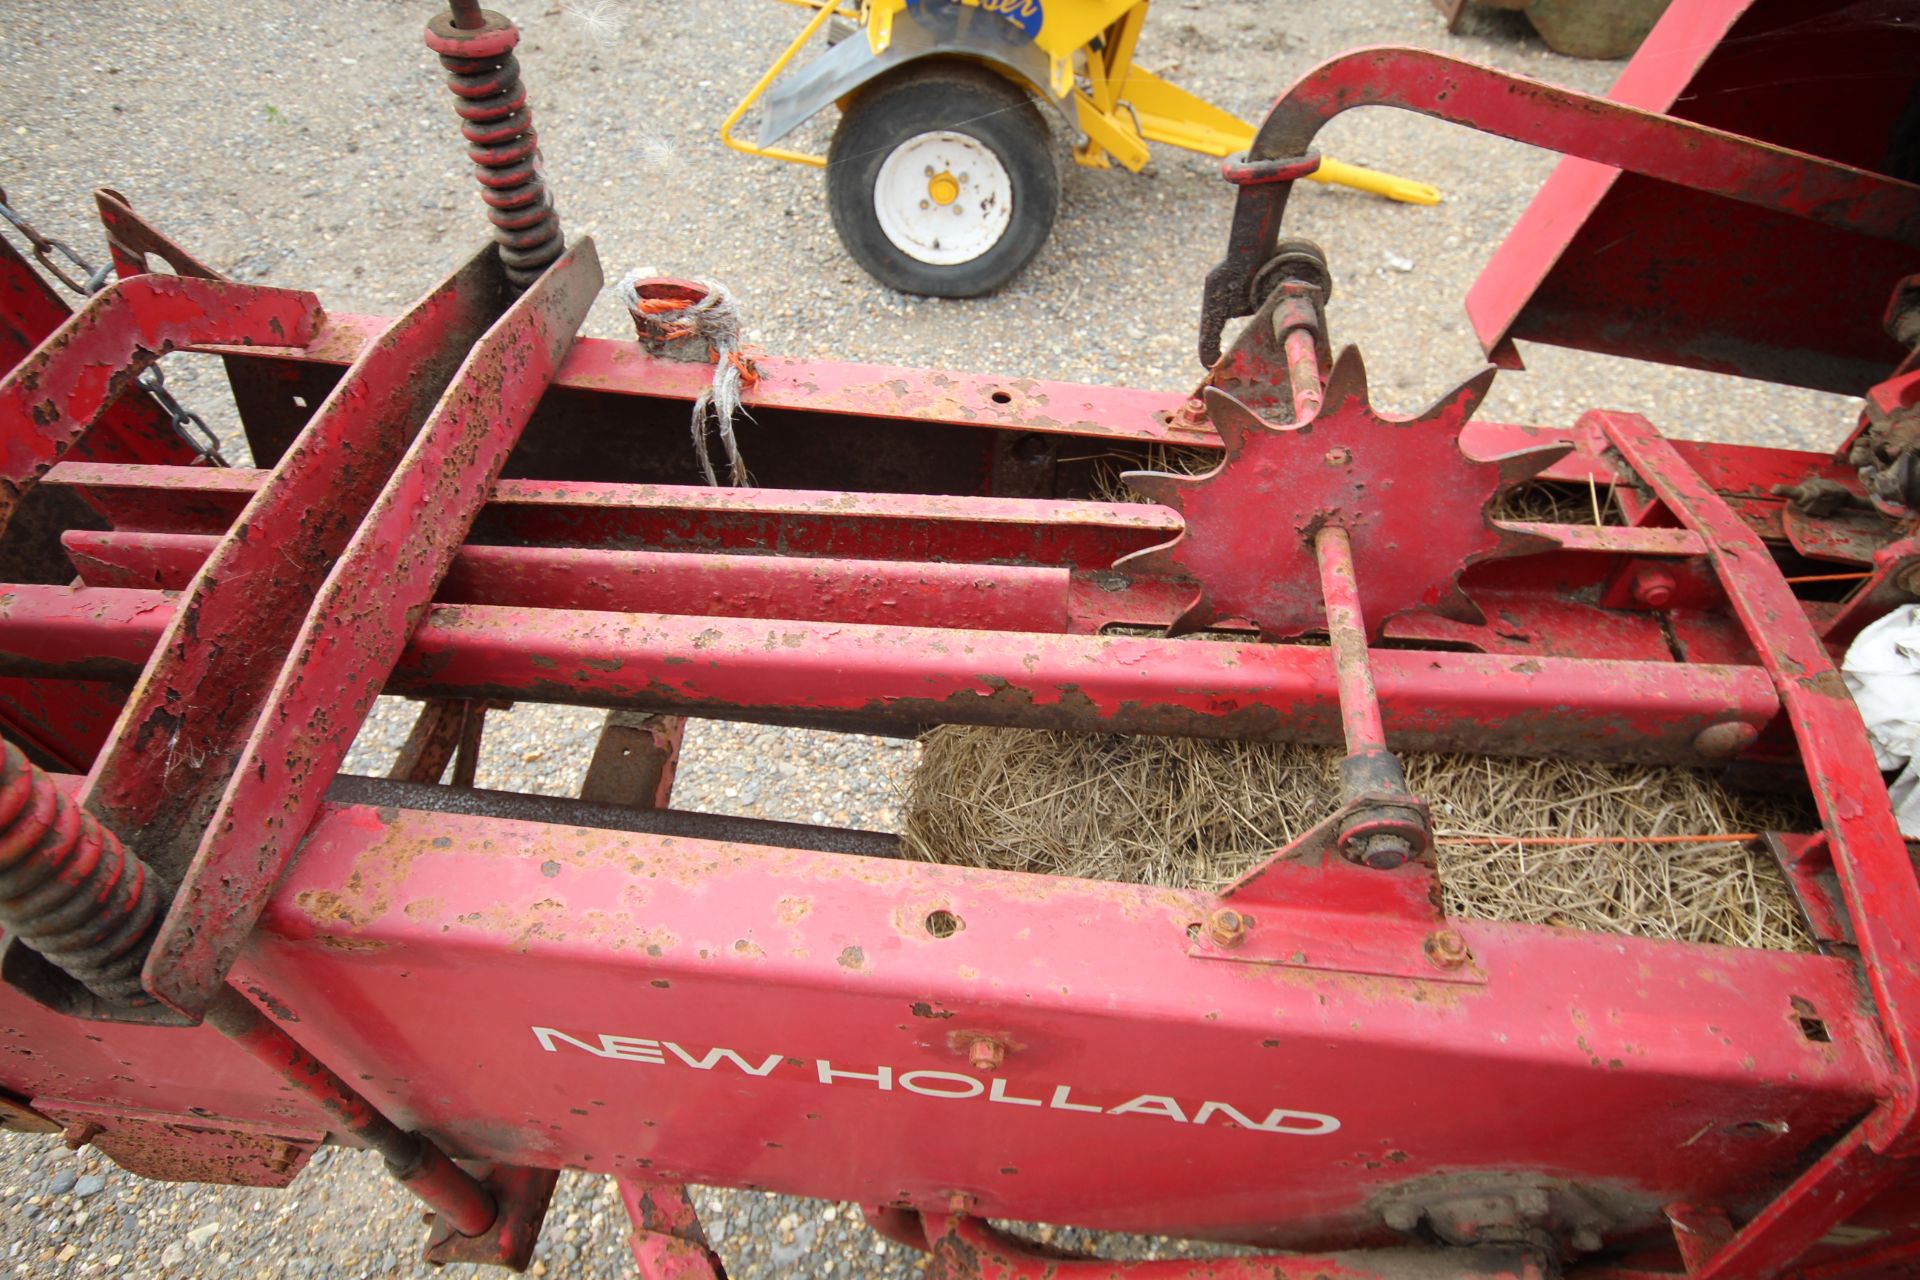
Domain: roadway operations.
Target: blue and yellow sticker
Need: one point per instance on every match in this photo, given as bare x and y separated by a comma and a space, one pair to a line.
1028, 15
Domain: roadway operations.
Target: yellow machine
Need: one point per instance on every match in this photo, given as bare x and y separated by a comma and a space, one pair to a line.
940, 176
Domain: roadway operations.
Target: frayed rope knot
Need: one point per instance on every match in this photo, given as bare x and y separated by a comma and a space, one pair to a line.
712, 321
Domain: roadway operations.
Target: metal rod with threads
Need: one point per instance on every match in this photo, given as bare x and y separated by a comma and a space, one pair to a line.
72, 892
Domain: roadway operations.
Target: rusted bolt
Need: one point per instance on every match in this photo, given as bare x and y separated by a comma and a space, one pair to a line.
1386, 850
1339, 457
985, 1055
1227, 927
281, 1161
1190, 416
960, 1202
1402, 1217
1725, 740
79, 1134
1653, 588
1447, 949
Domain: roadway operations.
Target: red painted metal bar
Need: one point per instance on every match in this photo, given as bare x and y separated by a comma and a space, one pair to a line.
900, 678
858, 526
30, 311
1347, 631
179, 738
668, 1242
965, 1248
893, 392
988, 597
1542, 115
1302, 371
421, 1165
1876, 874
358, 626
1615, 539
1577, 124
1830, 1190
52, 397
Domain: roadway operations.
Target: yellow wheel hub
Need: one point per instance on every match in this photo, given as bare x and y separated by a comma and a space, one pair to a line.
943, 188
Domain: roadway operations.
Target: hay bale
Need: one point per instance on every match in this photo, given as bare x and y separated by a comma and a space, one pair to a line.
1196, 814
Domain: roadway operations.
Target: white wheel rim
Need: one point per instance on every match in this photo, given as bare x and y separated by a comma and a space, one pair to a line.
943, 198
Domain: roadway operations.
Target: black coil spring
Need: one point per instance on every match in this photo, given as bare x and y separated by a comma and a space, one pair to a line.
506, 157
68, 888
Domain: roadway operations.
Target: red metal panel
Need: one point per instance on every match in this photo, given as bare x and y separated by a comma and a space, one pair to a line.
1632, 1063
1609, 261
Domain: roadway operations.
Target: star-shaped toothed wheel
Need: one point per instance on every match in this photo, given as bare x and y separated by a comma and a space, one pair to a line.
1413, 503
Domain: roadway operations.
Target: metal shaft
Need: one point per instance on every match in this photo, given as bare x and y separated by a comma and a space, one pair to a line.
426, 1170
1347, 630
1297, 324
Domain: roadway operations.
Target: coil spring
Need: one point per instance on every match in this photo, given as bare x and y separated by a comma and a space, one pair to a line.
69, 889
506, 157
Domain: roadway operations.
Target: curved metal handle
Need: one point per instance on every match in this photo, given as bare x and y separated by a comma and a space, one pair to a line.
1542, 115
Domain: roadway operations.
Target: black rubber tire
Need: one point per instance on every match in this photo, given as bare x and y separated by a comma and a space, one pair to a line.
921, 98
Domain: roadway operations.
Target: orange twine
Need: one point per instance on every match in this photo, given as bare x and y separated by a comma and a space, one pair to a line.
1737, 837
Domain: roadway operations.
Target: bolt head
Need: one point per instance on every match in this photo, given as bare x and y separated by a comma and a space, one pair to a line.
1339, 457
1447, 949
1227, 927
1387, 850
985, 1055
1653, 588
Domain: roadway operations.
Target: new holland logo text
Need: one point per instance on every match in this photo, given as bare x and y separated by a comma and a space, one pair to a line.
951, 1085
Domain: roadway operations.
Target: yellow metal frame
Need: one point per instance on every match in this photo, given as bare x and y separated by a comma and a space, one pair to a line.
1120, 110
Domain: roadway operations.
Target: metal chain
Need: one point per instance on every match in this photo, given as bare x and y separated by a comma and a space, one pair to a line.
188, 425
44, 247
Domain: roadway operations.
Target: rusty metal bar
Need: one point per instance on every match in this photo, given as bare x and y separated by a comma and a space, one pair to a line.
1347, 630
355, 629
966, 1248
989, 597
180, 735
418, 1163
899, 679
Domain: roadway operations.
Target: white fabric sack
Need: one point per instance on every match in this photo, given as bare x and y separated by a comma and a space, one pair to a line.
1882, 670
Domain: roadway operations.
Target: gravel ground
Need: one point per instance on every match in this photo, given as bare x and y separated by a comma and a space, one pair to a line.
313, 146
